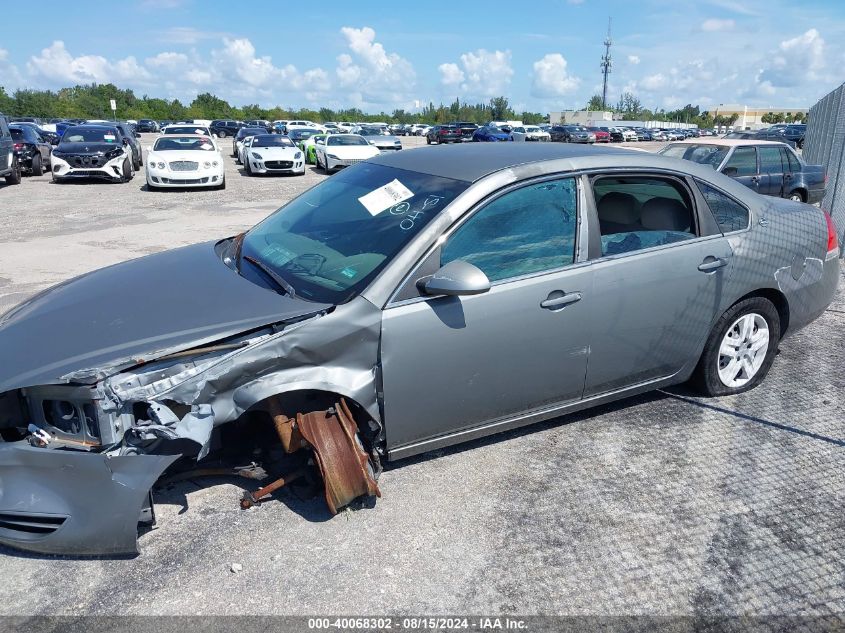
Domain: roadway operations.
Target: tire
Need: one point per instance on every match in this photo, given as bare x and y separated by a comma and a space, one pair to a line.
150, 186
427, 141
14, 177
37, 168
127, 171
221, 134
740, 326
222, 185
248, 169
797, 196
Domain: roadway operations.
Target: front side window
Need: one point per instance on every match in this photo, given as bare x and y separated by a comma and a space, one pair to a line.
730, 214
638, 212
525, 231
743, 162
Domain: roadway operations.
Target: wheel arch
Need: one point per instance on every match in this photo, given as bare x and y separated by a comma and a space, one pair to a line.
802, 190
778, 299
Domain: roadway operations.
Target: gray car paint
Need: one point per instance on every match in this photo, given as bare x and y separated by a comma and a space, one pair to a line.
478, 375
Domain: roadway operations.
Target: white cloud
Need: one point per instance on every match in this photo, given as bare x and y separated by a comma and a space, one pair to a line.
715, 24
481, 73
654, 82
373, 75
633, 59
551, 78
795, 62
10, 77
56, 65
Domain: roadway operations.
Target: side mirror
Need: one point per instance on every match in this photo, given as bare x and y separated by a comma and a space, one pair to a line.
729, 171
456, 278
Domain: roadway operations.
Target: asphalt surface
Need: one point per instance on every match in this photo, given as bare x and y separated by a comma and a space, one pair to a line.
664, 504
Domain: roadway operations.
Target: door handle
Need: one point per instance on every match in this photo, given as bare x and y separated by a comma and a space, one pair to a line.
563, 300
755, 178
711, 264
787, 177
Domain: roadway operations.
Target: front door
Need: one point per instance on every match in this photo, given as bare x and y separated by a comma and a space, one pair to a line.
742, 167
454, 363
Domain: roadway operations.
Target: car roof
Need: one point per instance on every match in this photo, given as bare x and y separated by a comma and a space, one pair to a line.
472, 161
728, 142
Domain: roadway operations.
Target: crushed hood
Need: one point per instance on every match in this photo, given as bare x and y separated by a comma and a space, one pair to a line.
169, 301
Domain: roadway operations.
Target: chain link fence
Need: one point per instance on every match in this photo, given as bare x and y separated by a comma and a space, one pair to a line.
824, 144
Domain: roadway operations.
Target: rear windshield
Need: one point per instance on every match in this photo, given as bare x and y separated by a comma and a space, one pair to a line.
17, 134
251, 131
704, 154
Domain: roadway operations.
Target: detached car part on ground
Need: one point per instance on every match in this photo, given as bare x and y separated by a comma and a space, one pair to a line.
356, 324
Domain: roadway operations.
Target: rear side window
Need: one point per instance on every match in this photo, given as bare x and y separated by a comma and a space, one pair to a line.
730, 214
794, 163
770, 162
528, 230
638, 212
744, 161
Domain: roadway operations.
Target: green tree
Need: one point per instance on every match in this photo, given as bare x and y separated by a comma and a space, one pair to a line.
595, 103
500, 109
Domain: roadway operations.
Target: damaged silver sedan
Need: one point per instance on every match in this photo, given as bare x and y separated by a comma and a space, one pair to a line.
411, 302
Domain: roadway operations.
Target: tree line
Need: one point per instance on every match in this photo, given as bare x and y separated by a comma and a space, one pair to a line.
92, 102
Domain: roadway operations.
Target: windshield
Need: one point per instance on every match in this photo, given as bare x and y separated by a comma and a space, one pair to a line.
346, 140
272, 140
532, 129
185, 129
90, 135
704, 154
301, 134
331, 241
372, 131
181, 143
250, 131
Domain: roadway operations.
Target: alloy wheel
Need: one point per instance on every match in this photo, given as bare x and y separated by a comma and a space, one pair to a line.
743, 350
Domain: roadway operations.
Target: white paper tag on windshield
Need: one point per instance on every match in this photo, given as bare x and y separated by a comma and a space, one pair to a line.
385, 197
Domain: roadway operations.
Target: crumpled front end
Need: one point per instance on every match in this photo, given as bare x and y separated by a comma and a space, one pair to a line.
99, 439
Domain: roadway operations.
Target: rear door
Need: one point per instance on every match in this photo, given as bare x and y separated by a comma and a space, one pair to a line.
771, 170
5, 144
742, 167
657, 281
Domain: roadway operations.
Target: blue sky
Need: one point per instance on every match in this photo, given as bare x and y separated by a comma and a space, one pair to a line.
390, 55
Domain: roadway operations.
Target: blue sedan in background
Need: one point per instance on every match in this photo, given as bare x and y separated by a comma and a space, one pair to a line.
490, 133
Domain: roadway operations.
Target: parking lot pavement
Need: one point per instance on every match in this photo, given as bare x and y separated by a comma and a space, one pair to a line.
662, 504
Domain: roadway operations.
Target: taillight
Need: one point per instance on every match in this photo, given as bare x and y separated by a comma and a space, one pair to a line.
17, 146
832, 238
444, 131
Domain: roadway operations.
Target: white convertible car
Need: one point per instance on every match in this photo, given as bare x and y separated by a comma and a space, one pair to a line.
272, 154
342, 150
185, 161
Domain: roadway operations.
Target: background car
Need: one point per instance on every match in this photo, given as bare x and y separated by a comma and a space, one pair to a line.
443, 134
573, 134
51, 137
380, 138
93, 151
224, 128
238, 139
131, 137
299, 134
766, 167
31, 151
308, 149
272, 154
530, 133
467, 129
342, 150
602, 136
490, 134
10, 168
147, 126
185, 161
